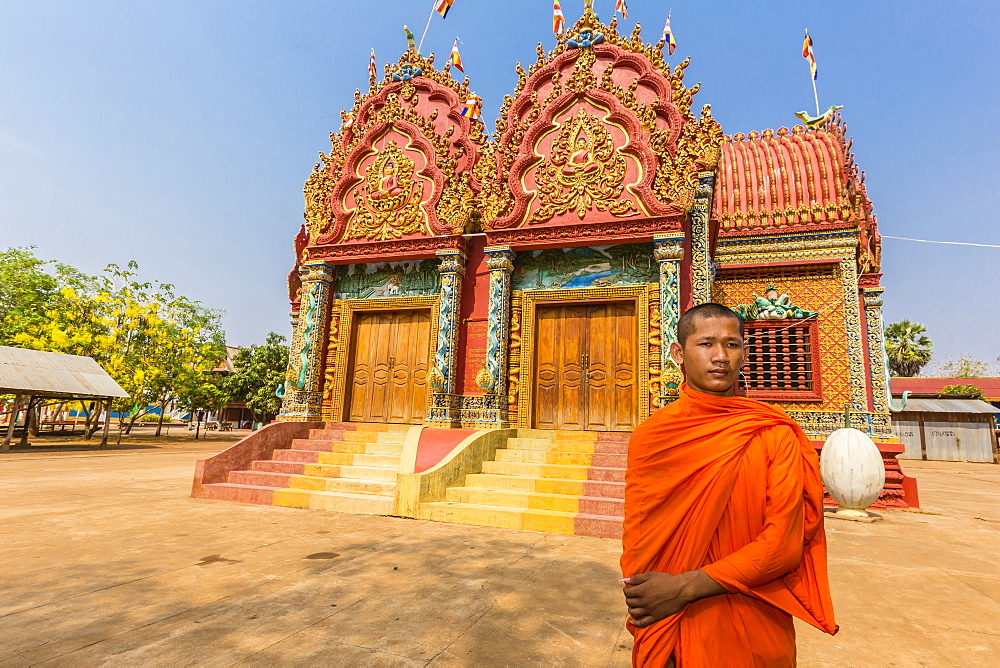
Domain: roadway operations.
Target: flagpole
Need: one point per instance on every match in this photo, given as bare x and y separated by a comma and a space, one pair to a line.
429, 17
815, 95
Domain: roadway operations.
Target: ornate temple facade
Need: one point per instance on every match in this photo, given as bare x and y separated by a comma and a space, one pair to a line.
534, 278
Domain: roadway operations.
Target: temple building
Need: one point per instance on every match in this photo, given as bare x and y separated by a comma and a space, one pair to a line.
532, 280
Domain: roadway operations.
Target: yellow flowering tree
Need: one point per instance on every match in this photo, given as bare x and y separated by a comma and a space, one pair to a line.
157, 345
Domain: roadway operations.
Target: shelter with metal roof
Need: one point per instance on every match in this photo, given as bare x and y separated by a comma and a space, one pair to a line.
36, 373
949, 428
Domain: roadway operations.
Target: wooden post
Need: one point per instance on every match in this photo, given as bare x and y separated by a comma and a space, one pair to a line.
13, 421
28, 413
107, 425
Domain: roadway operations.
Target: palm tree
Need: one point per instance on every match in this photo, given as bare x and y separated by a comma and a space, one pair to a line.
908, 348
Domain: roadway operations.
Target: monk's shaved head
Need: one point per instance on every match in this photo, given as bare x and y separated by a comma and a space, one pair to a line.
687, 324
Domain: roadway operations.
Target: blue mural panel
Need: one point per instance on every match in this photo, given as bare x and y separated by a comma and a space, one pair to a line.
378, 280
585, 267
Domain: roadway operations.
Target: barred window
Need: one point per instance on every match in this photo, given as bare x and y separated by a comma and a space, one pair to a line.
782, 361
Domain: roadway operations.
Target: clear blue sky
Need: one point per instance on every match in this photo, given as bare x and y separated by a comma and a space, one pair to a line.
179, 133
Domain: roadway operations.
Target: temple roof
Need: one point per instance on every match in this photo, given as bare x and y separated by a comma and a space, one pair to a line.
784, 178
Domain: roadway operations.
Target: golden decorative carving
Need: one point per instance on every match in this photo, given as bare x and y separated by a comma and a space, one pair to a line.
514, 363
680, 157
584, 171
388, 199
380, 107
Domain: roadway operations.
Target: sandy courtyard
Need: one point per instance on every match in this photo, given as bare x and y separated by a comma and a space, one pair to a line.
107, 561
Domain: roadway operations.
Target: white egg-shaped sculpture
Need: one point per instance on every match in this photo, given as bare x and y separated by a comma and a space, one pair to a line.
852, 470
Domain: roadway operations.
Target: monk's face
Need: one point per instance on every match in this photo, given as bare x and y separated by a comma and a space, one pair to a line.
711, 356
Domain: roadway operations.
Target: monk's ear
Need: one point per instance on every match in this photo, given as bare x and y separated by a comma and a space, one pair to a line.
677, 353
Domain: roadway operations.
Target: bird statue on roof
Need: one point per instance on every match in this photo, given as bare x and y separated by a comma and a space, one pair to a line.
816, 122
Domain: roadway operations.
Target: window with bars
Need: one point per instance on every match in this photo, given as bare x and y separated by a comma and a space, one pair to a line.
782, 361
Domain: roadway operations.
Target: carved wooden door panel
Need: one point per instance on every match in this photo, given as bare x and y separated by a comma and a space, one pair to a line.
408, 367
585, 367
610, 367
369, 388
389, 357
560, 397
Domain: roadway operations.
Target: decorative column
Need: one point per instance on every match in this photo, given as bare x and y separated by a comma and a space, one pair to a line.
701, 261
852, 320
493, 377
669, 251
302, 393
444, 409
876, 347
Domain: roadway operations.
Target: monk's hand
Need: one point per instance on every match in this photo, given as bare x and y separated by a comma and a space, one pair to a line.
654, 596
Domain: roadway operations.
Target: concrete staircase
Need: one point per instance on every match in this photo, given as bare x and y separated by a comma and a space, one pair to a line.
345, 467
570, 482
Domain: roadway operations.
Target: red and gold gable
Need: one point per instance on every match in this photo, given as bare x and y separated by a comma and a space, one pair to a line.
597, 141
399, 177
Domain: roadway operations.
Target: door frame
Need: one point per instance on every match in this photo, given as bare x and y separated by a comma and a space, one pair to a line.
531, 299
342, 317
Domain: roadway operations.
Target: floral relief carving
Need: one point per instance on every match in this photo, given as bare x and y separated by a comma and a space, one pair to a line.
583, 172
388, 199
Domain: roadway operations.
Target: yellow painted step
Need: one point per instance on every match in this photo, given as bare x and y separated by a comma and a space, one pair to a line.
536, 470
540, 457
380, 427
346, 459
514, 499
555, 445
557, 434
344, 502
374, 437
550, 521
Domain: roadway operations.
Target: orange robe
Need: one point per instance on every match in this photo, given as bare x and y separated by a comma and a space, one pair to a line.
729, 485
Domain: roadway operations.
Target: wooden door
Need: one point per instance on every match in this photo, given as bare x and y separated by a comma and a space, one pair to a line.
388, 364
585, 370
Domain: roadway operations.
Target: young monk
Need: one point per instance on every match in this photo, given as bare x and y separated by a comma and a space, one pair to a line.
723, 539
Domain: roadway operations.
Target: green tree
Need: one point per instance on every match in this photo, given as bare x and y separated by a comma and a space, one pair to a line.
908, 348
28, 287
258, 371
964, 367
206, 396
963, 389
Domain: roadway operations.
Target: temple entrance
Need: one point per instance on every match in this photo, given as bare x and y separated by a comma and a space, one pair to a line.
585, 366
387, 366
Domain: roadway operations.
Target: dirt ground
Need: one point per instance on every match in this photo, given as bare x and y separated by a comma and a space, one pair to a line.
108, 561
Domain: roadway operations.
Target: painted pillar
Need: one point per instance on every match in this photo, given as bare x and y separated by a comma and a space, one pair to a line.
669, 251
303, 393
702, 268
876, 347
443, 408
855, 348
493, 377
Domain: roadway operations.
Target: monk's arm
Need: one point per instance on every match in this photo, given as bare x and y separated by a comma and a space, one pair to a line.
654, 596
777, 549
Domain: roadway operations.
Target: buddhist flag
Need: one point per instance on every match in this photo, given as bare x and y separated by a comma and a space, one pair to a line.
668, 38
372, 69
621, 8
443, 7
558, 21
456, 59
473, 107
807, 53
348, 121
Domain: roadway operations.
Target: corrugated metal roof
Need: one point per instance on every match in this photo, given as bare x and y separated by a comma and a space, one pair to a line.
40, 373
948, 406
933, 385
